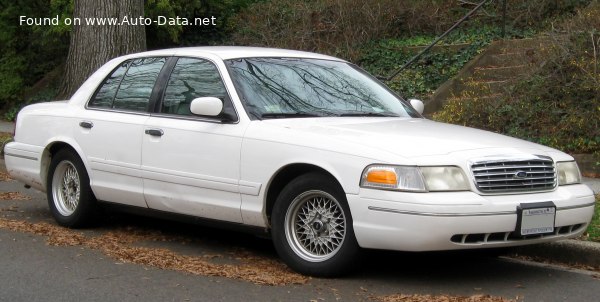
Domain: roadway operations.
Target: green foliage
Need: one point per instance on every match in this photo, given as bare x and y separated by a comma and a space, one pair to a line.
425, 75
4, 139
11, 114
11, 67
559, 105
63, 9
533, 113
593, 231
45, 95
177, 35
326, 26
339, 27
28, 52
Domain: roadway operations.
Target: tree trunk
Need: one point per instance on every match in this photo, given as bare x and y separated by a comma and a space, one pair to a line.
93, 45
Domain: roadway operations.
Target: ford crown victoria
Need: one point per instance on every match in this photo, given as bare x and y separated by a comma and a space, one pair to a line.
305, 147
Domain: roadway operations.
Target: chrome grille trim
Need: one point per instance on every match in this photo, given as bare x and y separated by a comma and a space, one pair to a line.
511, 174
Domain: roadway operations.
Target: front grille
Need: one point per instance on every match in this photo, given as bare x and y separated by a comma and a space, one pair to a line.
514, 175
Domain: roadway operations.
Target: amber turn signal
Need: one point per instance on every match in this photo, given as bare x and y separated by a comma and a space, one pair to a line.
387, 177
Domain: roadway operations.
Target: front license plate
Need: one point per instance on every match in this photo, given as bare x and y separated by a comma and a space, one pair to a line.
536, 218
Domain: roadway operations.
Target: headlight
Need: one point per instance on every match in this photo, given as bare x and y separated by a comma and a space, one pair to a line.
445, 179
568, 173
393, 178
415, 179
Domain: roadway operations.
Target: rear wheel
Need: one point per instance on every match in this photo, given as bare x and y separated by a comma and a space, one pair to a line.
312, 227
70, 197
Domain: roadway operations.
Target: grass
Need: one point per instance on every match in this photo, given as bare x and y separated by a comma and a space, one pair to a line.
593, 231
4, 138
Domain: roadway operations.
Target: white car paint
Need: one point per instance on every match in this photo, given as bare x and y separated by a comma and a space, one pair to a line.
224, 171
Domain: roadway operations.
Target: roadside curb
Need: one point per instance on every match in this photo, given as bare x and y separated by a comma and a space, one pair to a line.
570, 251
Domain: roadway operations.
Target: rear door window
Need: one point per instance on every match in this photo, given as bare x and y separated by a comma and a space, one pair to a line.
136, 87
106, 94
129, 86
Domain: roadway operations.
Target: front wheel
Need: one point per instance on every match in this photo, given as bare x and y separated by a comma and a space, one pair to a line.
312, 227
70, 197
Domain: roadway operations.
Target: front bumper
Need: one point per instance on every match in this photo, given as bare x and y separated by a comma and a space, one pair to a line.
460, 220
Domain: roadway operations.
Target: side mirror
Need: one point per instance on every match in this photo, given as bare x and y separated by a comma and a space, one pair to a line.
418, 105
207, 106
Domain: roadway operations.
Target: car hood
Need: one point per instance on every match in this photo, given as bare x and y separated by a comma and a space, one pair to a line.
408, 138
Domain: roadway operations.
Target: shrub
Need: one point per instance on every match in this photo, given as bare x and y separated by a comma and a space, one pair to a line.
421, 78
559, 105
339, 27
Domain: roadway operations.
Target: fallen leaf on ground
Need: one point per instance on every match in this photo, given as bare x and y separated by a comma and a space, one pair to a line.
13, 196
117, 244
439, 298
4, 176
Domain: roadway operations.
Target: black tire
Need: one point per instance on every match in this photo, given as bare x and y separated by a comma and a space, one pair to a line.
70, 198
303, 231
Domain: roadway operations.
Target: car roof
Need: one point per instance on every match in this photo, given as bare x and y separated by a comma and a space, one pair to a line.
235, 52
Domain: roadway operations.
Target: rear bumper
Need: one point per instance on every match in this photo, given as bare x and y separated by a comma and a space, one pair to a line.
23, 163
460, 220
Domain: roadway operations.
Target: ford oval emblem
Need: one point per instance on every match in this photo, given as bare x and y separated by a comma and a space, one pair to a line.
521, 175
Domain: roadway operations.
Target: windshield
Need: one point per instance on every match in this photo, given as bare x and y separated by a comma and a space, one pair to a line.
291, 87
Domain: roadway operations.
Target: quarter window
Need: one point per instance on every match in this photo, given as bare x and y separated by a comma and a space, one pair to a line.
190, 79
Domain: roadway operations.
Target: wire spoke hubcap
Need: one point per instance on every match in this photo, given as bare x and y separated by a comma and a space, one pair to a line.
66, 188
315, 226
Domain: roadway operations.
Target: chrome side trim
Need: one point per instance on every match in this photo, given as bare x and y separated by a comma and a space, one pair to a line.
591, 204
21, 156
429, 214
441, 214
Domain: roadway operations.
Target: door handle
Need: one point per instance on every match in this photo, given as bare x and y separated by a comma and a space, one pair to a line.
86, 124
154, 132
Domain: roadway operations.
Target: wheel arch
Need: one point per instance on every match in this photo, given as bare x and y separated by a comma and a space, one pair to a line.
52, 148
286, 174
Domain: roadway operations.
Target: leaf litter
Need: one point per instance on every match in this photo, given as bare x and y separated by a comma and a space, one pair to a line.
439, 298
4, 176
13, 196
118, 245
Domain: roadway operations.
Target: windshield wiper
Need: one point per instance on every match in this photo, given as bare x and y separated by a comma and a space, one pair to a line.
288, 115
369, 114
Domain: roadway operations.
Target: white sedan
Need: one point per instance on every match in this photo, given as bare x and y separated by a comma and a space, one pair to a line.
306, 147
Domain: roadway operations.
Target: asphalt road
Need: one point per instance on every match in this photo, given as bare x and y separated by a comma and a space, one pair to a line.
34, 268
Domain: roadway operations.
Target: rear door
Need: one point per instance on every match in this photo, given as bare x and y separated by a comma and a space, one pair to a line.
191, 163
111, 129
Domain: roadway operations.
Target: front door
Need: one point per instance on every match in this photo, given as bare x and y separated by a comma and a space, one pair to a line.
191, 163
